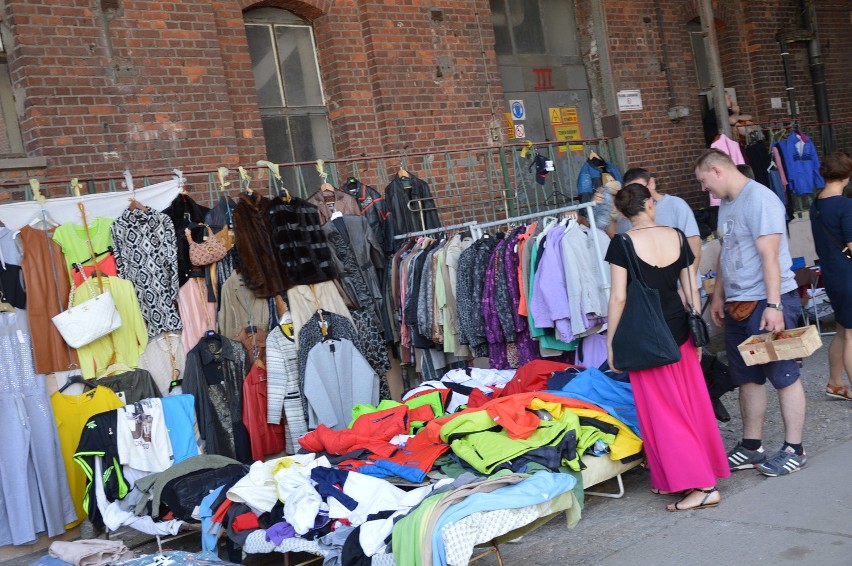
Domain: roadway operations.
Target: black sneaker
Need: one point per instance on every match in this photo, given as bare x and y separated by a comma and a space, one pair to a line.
740, 458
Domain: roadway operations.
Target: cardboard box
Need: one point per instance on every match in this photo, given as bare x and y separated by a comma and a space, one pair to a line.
785, 345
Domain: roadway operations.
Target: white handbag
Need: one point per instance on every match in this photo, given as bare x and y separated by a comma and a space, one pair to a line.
88, 321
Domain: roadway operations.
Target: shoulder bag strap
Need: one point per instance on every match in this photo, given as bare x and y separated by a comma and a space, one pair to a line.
686, 294
633, 266
829, 235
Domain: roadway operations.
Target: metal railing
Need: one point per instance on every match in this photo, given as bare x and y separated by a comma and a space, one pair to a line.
468, 184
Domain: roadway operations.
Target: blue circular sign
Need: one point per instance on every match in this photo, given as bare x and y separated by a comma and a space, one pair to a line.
517, 110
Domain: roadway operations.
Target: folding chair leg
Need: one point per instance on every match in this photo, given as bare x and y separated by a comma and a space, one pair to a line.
617, 495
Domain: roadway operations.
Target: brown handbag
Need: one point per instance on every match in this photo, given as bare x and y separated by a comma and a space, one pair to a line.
740, 310
209, 251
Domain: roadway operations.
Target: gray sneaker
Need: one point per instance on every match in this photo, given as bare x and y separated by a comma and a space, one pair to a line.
740, 458
783, 463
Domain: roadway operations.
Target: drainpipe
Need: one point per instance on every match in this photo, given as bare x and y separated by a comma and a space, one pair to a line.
817, 67
711, 46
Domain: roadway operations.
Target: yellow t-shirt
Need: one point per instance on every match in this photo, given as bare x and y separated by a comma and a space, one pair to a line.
127, 343
71, 413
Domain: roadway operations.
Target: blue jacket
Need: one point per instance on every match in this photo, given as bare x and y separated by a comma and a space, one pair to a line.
802, 169
614, 397
588, 172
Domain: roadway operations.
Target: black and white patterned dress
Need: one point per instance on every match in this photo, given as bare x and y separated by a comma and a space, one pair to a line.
146, 255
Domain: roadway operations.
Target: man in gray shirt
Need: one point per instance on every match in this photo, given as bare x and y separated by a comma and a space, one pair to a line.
755, 293
671, 210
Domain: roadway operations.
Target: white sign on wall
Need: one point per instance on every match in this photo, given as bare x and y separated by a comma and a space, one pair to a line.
520, 132
629, 100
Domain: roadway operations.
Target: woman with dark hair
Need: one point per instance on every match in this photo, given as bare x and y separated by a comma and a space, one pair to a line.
831, 224
682, 442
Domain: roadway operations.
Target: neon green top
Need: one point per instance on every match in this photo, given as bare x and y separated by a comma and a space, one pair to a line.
75, 247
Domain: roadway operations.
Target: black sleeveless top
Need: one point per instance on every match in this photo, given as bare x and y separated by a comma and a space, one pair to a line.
664, 279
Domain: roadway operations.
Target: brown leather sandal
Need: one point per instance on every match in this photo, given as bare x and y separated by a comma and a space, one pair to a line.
838, 392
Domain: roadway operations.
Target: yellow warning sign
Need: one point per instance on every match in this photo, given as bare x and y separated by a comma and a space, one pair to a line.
566, 132
510, 126
569, 115
555, 115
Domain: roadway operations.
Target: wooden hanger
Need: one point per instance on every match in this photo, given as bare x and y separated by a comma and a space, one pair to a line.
128, 184
594, 155
402, 173
325, 186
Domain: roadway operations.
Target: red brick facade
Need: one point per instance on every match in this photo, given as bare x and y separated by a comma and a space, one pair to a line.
163, 84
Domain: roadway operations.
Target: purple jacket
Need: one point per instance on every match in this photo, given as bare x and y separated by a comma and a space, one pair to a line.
493, 331
526, 346
549, 304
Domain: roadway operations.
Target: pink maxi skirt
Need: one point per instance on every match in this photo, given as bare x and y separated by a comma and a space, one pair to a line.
679, 431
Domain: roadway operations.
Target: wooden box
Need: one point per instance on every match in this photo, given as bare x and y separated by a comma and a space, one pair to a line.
785, 345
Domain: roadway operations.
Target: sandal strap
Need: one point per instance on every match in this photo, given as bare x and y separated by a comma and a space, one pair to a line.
707, 493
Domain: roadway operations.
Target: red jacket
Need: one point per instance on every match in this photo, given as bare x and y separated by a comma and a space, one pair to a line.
265, 438
533, 376
369, 432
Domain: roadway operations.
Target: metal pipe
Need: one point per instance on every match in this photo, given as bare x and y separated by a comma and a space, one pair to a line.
664, 47
711, 46
809, 34
788, 79
818, 78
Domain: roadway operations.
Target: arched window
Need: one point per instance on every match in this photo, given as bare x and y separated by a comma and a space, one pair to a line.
289, 92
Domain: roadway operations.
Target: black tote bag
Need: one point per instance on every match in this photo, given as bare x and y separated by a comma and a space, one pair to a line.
643, 339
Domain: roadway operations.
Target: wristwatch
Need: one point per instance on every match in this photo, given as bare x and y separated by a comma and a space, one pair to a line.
776, 306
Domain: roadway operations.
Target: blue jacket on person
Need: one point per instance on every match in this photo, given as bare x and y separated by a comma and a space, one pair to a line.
802, 169
589, 172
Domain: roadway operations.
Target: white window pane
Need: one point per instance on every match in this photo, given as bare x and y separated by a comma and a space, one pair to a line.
298, 66
264, 66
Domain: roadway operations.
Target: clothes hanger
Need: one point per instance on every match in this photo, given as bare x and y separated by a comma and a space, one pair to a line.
128, 184
245, 181
325, 186
43, 215
275, 175
181, 181
76, 378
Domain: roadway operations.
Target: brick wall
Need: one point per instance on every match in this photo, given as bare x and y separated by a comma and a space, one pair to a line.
169, 84
751, 63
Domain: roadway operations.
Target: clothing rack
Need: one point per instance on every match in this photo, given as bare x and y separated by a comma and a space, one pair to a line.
477, 227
